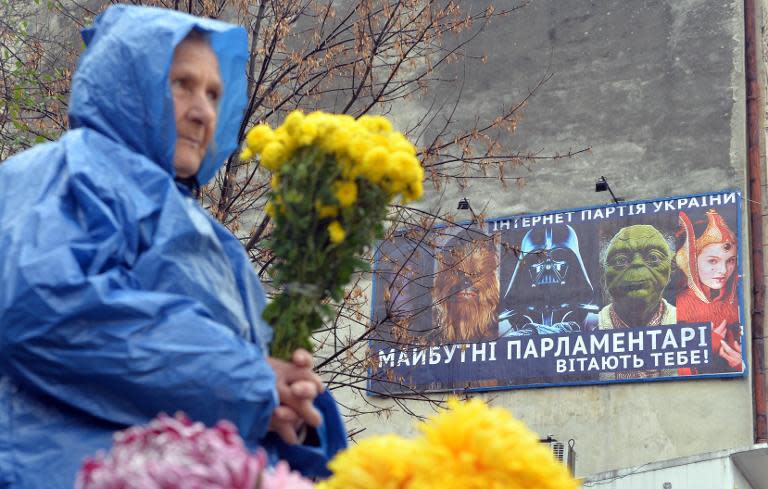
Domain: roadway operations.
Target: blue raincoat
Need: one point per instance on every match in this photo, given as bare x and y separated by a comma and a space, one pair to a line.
119, 296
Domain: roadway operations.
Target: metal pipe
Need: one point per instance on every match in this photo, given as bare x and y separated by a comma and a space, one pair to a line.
755, 200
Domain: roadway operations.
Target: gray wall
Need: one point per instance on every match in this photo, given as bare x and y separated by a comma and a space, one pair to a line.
656, 89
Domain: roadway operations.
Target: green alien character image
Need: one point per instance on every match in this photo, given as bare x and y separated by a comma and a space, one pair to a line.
637, 269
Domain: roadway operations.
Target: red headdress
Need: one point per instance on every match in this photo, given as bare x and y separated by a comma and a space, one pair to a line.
717, 231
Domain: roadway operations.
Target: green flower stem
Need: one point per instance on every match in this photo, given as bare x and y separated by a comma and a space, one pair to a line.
309, 268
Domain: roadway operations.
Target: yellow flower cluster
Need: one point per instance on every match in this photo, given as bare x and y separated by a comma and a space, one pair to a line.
366, 148
471, 445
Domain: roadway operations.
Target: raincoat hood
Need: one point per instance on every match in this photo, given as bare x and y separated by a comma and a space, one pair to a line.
121, 89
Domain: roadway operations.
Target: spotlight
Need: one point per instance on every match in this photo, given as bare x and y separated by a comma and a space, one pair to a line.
601, 185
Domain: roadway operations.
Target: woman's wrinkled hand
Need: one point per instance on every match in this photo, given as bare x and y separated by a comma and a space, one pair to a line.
297, 388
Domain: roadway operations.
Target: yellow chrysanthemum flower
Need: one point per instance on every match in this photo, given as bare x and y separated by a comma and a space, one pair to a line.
292, 123
406, 165
379, 140
324, 122
336, 232
366, 147
375, 164
258, 137
349, 169
246, 154
375, 123
398, 142
413, 191
274, 182
381, 462
358, 147
393, 186
270, 209
281, 136
472, 445
273, 156
325, 211
307, 132
336, 141
405, 175
346, 193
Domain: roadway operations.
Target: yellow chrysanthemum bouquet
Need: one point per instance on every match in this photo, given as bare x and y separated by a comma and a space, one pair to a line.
332, 179
468, 446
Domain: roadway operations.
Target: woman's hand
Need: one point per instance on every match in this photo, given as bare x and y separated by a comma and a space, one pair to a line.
718, 336
297, 388
732, 355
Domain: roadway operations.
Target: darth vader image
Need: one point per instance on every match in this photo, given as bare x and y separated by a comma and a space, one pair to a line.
549, 291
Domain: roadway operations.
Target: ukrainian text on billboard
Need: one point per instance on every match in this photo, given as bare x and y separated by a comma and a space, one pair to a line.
634, 291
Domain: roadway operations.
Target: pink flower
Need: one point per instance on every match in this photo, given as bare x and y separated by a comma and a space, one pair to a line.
282, 478
174, 453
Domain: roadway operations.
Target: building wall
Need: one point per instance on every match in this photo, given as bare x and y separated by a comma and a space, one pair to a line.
715, 471
739, 481
656, 89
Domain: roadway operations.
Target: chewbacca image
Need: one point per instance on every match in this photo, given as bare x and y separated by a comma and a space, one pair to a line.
466, 290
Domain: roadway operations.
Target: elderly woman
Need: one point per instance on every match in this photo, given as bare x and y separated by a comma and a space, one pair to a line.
119, 296
709, 263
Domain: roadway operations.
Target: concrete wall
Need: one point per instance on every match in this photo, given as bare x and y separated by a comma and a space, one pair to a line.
710, 471
656, 89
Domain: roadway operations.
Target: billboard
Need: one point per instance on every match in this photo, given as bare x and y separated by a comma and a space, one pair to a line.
636, 291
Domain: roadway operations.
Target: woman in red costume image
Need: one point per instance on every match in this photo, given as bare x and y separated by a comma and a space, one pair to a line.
709, 264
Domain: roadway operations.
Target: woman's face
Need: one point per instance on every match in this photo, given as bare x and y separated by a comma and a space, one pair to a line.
196, 88
716, 262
